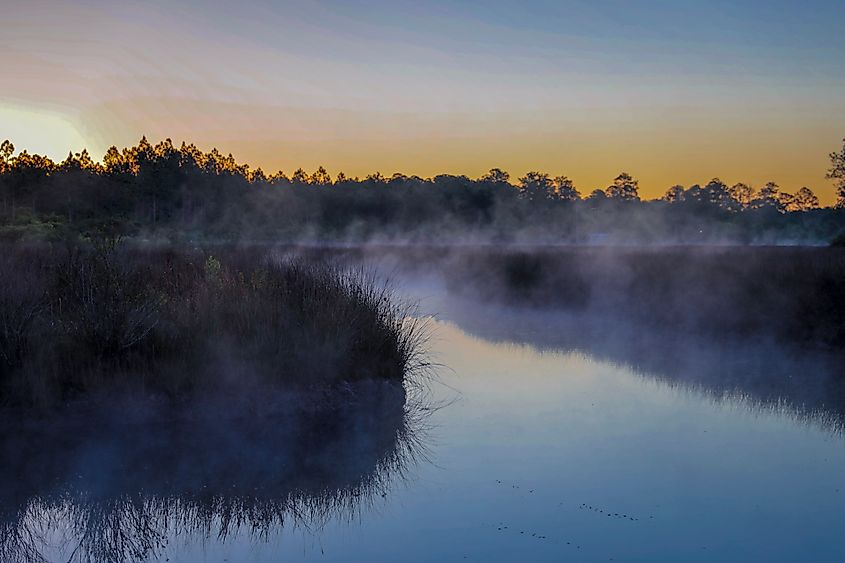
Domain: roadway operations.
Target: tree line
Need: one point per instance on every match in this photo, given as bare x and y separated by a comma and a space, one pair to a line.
183, 191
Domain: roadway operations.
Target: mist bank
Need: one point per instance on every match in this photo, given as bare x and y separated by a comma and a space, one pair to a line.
792, 295
164, 192
756, 325
94, 321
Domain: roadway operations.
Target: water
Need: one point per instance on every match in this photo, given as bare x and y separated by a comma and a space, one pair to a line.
547, 448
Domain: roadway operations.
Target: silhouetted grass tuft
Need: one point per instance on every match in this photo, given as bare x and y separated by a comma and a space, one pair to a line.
81, 320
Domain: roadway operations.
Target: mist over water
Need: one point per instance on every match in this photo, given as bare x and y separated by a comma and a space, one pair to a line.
551, 430
422, 282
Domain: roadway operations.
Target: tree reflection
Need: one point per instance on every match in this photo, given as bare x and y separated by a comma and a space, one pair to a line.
759, 374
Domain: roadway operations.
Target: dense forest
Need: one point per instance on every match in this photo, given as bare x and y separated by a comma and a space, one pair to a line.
181, 193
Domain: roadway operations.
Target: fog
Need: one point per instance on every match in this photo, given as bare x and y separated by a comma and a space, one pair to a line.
112, 478
763, 324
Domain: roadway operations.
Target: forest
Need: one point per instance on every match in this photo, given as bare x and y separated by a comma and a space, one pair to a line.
182, 194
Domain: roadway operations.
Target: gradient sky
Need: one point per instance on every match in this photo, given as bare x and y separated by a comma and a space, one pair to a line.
672, 91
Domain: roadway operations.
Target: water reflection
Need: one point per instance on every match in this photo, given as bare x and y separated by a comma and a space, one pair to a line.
671, 432
462, 285
759, 374
121, 483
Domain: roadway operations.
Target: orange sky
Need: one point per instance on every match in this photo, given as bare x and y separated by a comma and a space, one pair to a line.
673, 95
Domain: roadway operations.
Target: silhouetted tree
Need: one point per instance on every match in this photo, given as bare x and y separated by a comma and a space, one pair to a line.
803, 200
279, 178
115, 163
836, 172
743, 194
718, 194
186, 191
496, 176
320, 177
786, 201
674, 194
7, 149
768, 196
536, 186
74, 181
26, 175
564, 189
299, 177
624, 187
258, 176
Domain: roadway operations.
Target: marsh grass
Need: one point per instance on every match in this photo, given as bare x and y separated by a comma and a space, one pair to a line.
85, 319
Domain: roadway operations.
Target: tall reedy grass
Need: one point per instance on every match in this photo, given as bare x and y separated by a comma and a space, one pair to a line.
171, 321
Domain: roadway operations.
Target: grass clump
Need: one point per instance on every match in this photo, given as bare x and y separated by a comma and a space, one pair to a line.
86, 319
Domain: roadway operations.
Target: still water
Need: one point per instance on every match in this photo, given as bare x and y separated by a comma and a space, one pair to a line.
534, 449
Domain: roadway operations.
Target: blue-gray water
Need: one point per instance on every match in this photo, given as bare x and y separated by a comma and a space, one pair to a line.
539, 451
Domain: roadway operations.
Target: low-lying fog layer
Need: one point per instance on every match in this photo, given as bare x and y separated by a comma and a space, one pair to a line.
571, 430
766, 324
795, 295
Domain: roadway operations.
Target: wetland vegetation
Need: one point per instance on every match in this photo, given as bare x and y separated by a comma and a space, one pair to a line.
169, 322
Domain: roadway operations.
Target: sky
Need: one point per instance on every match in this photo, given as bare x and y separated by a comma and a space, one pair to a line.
673, 92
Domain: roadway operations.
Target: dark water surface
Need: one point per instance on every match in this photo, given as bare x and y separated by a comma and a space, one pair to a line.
555, 440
